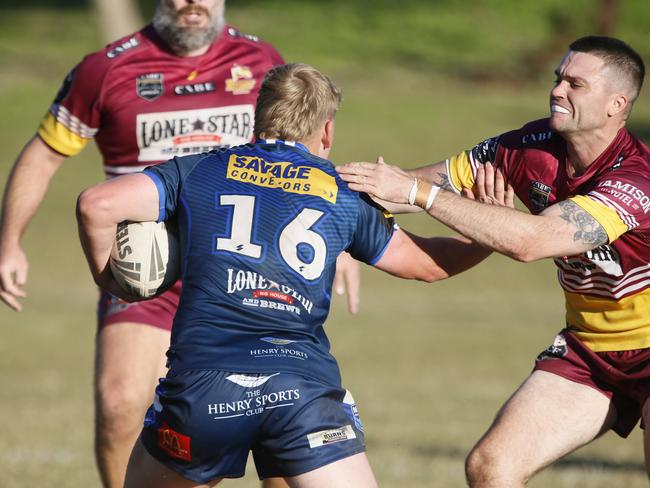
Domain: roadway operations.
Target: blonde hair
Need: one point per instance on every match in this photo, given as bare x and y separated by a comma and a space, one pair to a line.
293, 102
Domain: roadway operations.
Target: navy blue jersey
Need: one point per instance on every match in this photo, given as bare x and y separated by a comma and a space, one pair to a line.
260, 228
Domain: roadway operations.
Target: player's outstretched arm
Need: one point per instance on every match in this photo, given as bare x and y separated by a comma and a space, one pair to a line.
435, 173
442, 257
429, 259
563, 229
26, 187
100, 208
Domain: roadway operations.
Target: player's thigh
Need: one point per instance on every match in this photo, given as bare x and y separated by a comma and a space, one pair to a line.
130, 357
546, 418
145, 471
350, 472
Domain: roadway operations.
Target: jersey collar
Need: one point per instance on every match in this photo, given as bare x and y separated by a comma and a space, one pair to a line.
286, 143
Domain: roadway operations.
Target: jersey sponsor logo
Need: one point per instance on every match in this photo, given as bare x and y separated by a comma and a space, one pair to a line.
287, 298
536, 137
149, 86
288, 177
242, 81
627, 194
325, 437
276, 341
235, 33
254, 403
195, 88
125, 46
174, 443
556, 350
279, 352
602, 258
163, 135
250, 381
538, 194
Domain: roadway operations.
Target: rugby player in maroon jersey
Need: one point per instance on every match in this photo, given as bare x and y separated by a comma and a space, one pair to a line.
584, 178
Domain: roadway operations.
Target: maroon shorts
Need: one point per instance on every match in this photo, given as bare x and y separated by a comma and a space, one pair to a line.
622, 376
158, 311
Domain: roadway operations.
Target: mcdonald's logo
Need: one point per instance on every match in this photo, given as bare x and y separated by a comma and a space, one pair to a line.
173, 443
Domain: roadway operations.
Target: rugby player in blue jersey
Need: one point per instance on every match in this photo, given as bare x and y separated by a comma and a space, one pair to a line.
261, 226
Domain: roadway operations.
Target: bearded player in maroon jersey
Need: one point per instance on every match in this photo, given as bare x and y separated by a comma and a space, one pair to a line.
584, 178
187, 83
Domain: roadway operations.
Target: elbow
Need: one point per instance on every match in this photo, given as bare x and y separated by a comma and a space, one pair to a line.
527, 250
523, 257
431, 274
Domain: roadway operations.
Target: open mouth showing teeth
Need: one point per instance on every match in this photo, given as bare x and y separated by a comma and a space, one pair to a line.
558, 109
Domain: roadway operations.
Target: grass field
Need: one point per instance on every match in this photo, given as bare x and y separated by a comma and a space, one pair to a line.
429, 365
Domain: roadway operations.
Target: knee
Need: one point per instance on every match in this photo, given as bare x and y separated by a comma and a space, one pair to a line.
486, 468
120, 407
476, 465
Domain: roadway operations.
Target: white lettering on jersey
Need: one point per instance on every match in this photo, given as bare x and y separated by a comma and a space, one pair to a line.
600, 259
620, 190
163, 135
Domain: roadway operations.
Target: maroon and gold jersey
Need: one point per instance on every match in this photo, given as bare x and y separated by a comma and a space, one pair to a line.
607, 289
143, 104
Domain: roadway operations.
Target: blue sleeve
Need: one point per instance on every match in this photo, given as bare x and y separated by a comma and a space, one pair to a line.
168, 178
375, 228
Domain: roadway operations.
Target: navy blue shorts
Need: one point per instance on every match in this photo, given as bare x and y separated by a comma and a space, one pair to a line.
204, 423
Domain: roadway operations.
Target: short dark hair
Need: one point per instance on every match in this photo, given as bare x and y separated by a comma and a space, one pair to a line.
615, 53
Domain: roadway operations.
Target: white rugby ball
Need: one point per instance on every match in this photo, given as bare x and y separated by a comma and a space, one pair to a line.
145, 258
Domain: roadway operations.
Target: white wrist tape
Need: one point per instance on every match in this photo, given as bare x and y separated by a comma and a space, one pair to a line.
413, 192
425, 194
432, 195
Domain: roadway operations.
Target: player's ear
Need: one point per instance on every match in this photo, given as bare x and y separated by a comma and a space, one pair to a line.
327, 134
618, 103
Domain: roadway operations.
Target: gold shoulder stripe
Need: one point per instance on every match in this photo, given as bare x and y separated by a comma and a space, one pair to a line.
606, 216
59, 137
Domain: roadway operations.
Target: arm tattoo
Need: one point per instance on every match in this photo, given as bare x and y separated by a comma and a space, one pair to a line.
589, 230
445, 184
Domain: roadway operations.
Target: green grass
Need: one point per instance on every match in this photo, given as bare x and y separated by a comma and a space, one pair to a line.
429, 365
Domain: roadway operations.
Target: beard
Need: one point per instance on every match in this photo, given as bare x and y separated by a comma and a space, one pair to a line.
181, 39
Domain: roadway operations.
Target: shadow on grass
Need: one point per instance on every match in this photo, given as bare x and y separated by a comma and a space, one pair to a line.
573, 462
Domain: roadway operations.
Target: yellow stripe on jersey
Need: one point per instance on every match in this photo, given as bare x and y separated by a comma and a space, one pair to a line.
606, 216
610, 325
460, 171
59, 137
304, 180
